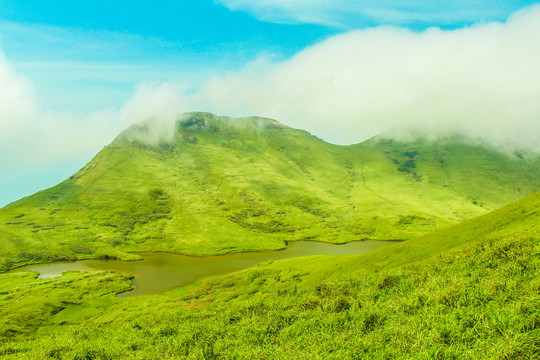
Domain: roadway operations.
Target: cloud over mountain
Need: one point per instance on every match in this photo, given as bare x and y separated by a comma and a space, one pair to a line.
480, 81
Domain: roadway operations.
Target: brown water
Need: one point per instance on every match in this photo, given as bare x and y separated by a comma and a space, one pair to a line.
163, 271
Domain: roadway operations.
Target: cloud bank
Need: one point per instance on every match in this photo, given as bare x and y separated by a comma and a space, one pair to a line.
480, 81
158, 107
31, 135
362, 13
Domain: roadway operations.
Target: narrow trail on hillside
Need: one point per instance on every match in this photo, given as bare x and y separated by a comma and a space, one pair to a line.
362, 175
297, 163
222, 179
108, 170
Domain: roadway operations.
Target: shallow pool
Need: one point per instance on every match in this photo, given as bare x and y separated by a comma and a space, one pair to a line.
164, 271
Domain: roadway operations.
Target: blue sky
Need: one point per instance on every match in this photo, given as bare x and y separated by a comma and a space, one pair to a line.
57, 43
77, 60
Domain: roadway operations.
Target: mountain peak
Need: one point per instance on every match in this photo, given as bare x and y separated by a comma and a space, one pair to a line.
187, 126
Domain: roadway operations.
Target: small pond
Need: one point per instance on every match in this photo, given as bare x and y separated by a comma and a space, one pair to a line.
163, 271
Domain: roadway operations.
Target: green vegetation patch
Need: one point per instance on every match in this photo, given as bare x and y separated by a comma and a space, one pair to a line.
28, 303
468, 291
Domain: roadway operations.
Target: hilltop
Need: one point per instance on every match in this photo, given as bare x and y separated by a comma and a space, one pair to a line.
221, 185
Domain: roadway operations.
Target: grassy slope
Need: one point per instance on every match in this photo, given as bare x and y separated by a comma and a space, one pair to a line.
468, 291
226, 185
28, 302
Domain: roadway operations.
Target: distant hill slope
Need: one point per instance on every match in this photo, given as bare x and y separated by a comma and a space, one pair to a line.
518, 222
226, 185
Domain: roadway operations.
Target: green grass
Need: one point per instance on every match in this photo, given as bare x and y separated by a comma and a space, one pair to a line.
467, 291
229, 185
29, 303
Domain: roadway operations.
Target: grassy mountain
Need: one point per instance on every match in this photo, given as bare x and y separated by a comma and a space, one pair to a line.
466, 291
226, 185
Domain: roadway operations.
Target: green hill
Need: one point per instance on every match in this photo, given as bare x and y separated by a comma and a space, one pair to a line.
466, 291
227, 185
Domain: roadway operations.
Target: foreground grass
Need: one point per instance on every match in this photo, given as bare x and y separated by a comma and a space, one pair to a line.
469, 291
228, 185
29, 303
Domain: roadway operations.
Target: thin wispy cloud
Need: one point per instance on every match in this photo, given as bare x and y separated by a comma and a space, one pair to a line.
17, 100
363, 13
84, 70
32, 134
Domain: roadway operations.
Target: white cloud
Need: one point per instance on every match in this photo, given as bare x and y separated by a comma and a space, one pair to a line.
16, 98
361, 13
31, 135
481, 81
159, 105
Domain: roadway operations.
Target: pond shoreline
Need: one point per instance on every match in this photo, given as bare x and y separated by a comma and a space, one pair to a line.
161, 271
287, 243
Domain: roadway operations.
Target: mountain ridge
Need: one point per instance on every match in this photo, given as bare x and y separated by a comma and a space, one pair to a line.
225, 185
